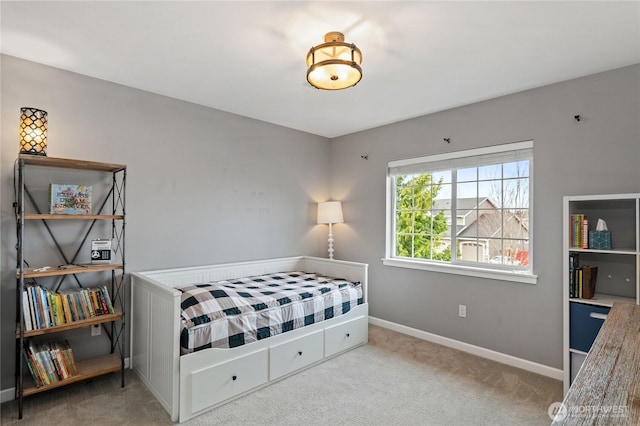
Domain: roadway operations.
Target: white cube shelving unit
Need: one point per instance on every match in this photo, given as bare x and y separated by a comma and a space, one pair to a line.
618, 278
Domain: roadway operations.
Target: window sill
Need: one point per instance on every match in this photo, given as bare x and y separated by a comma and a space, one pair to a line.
514, 276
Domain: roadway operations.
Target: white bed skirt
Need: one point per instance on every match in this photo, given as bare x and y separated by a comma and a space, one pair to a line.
189, 385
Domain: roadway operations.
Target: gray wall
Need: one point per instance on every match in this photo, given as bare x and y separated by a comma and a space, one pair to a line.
203, 186
211, 187
600, 154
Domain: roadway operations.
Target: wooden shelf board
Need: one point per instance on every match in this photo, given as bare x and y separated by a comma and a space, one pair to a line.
47, 216
67, 163
117, 315
86, 370
70, 270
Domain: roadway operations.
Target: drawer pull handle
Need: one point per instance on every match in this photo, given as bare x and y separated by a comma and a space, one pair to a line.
234, 378
299, 352
598, 316
348, 335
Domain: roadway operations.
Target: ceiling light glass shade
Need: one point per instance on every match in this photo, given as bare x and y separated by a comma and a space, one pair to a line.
334, 65
33, 131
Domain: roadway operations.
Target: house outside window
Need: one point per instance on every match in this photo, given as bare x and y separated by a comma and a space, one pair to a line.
463, 212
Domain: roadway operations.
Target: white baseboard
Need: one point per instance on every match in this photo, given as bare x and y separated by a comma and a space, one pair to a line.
7, 394
544, 370
513, 361
10, 394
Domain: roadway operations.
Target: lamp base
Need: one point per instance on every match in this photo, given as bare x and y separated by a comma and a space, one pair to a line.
330, 242
41, 153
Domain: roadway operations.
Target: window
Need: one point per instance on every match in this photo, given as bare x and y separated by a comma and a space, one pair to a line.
463, 212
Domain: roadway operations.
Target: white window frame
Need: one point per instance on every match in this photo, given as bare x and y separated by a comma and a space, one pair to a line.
450, 161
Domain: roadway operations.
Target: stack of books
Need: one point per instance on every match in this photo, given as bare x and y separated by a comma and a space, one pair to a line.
49, 362
582, 279
46, 308
578, 231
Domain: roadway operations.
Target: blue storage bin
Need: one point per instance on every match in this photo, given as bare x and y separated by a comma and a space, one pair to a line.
584, 323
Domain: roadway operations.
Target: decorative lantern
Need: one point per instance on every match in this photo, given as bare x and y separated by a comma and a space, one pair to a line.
33, 131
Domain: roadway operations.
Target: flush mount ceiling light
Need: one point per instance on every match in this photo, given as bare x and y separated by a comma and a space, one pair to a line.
334, 65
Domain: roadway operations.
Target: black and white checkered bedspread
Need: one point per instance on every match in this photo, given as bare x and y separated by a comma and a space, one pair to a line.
227, 314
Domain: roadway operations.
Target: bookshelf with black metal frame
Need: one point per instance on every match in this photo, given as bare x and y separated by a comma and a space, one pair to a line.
75, 274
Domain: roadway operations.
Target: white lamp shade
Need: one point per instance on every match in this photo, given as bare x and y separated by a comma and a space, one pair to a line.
330, 212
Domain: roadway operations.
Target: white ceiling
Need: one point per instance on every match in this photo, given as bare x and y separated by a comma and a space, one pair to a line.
248, 57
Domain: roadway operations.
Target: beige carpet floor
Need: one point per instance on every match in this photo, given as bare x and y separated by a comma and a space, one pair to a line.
393, 380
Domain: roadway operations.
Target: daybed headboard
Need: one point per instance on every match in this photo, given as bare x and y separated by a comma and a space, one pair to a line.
352, 271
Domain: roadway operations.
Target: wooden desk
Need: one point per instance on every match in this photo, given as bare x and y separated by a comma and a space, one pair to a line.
607, 388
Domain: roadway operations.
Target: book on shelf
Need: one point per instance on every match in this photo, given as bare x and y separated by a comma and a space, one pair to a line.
68, 315
574, 264
31, 309
32, 369
26, 312
589, 275
44, 305
46, 308
106, 300
579, 282
49, 362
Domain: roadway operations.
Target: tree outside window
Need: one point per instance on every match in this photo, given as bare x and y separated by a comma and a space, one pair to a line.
489, 216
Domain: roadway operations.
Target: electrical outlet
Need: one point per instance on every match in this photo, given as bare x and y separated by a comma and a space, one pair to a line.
96, 330
462, 311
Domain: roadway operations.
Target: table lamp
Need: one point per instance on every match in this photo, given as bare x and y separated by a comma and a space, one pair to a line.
330, 212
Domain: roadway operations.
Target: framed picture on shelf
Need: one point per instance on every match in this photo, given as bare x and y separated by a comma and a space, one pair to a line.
69, 199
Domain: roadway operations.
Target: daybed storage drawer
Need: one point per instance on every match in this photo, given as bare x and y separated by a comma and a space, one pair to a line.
223, 381
585, 322
346, 335
291, 356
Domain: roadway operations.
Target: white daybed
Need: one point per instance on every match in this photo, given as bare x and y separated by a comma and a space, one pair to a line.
190, 384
